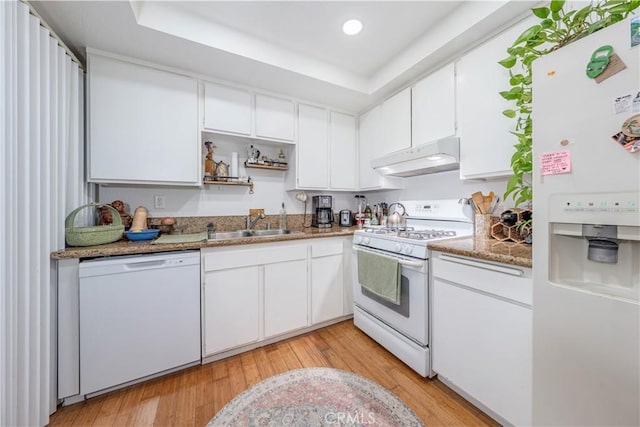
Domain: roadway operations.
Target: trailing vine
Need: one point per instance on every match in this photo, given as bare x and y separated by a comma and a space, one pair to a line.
557, 27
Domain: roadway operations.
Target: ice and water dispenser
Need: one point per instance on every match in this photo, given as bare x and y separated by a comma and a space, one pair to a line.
594, 243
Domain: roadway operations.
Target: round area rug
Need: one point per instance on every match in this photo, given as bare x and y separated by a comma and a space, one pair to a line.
316, 397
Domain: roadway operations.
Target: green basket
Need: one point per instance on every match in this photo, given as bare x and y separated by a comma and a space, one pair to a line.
95, 235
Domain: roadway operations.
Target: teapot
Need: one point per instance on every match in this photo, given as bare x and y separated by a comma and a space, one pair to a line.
222, 171
253, 154
397, 220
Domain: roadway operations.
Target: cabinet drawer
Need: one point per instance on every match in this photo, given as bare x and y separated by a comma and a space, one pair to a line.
506, 281
234, 258
326, 248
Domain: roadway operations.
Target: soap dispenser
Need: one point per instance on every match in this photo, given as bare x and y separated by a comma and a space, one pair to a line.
282, 220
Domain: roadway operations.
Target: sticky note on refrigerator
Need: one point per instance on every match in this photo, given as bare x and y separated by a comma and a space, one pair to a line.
555, 162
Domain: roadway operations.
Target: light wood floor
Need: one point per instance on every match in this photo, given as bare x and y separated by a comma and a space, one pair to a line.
192, 397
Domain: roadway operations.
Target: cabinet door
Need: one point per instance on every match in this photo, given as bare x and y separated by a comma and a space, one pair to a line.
275, 118
231, 308
342, 150
370, 147
350, 275
327, 288
433, 111
227, 109
143, 125
486, 146
312, 148
369, 141
396, 123
482, 344
285, 297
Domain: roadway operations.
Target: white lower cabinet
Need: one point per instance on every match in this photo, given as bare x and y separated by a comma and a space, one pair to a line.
481, 333
251, 293
231, 300
327, 280
285, 296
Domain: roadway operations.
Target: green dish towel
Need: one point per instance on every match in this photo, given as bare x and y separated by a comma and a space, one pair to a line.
180, 238
380, 274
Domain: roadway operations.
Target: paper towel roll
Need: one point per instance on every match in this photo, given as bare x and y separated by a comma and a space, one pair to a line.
234, 165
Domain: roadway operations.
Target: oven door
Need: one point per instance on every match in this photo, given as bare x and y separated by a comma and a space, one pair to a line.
410, 316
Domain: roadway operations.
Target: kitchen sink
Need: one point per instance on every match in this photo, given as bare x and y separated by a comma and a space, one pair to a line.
230, 235
240, 234
276, 232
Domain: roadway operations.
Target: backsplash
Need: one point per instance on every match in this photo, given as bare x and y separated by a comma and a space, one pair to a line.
197, 224
270, 192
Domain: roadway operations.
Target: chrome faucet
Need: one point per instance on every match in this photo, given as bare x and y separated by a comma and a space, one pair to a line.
211, 229
251, 223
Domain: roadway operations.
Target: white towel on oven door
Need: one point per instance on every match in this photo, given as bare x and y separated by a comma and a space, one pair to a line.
380, 274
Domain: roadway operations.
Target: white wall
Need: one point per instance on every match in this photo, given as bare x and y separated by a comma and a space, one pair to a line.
443, 185
217, 200
270, 192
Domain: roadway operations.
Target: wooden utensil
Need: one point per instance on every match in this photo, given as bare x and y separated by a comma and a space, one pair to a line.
478, 199
487, 200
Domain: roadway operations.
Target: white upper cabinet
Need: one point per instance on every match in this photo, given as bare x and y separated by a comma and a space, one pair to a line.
312, 168
325, 151
370, 147
236, 111
486, 146
433, 108
370, 128
343, 151
396, 123
142, 124
227, 109
275, 118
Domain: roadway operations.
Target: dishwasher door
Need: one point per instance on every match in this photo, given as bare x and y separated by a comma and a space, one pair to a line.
139, 316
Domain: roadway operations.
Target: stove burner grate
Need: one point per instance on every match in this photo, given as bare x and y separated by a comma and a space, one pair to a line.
411, 233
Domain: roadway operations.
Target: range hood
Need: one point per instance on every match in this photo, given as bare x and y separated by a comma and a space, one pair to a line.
436, 156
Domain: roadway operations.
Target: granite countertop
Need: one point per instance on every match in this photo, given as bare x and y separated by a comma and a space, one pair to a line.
487, 249
126, 247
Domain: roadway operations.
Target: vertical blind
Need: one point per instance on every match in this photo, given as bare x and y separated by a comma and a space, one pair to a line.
41, 157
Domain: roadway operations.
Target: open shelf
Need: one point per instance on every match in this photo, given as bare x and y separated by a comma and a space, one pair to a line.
257, 166
230, 181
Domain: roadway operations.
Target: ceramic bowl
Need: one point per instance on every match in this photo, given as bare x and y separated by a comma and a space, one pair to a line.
146, 234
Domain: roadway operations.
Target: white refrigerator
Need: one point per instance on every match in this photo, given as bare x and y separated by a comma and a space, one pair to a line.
586, 245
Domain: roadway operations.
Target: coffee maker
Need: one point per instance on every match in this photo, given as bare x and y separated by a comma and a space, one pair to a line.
322, 211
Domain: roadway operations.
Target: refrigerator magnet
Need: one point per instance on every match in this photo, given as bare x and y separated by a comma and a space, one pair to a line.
635, 31
622, 104
604, 64
599, 61
631, 126
629, 136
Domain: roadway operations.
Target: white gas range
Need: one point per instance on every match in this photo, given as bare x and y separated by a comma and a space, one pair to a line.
403, 328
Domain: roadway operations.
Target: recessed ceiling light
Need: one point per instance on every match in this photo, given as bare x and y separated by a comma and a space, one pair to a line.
352, 27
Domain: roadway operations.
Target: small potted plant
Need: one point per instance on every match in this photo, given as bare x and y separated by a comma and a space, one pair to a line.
525, 230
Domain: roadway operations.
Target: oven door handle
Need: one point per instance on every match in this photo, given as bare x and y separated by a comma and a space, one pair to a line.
414, 264
403, 262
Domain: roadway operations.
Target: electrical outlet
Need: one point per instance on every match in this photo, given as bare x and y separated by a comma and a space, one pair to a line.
159, 202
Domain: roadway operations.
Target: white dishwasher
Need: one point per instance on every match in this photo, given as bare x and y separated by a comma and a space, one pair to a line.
139, 316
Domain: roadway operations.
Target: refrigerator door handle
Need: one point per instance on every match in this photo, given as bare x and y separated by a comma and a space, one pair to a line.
479, 264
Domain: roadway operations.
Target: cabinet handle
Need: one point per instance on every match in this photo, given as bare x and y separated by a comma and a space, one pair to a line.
479, 264
415, 264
